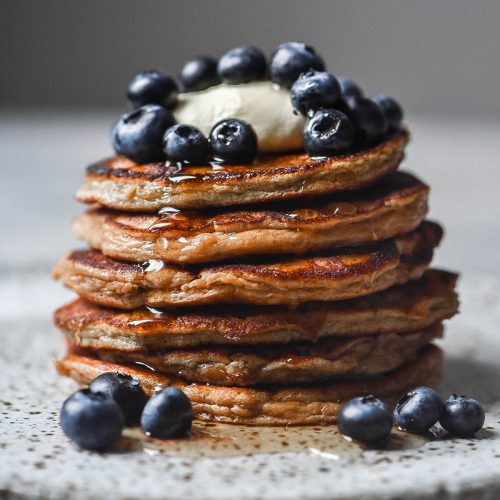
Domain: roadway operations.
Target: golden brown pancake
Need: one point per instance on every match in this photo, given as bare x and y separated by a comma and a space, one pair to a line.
336, 275
275, 405
329, 358
396, 205
121, 184
413, 306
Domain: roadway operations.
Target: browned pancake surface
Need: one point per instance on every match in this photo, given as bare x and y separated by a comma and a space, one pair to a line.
396, 205
335, 275
119, 183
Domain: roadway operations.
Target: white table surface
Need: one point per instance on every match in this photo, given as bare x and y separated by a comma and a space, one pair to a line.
42, 157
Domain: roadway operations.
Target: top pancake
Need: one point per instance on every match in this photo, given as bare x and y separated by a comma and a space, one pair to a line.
121, 184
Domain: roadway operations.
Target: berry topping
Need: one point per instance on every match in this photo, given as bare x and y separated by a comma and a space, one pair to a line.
152, 87
92, 420
185, 144
291, 59
233, 142
418, 410
241, 65
314, 90
167, 414
125, 391
368, 119
199, 74
462, 416
327, 133
349, 88
138, 135
366, 419
392, 110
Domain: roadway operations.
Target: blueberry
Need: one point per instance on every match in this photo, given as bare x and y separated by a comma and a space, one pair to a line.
92, 420
327, 133
199, 74
392, 110
152, 87
241, 65
462, 416
291, 59
185, 144
418, 410
349, 88
138, 135
233, 142
126, 392
314, 90
368, 119
167, 414
366, 419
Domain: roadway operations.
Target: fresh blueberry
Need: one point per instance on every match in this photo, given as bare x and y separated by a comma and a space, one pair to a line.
199, 74
418, 410
349, 88
185, 144
152, 87
291, 59
392, 110
138, 135
462, 416
314, 90
241, 65
365, 419
368, 120
92, 420
327, 133
125, 390
167, 414
233, 142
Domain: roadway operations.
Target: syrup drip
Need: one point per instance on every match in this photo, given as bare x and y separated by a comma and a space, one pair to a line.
212, 439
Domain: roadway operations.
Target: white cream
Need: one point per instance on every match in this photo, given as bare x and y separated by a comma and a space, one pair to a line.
262, 104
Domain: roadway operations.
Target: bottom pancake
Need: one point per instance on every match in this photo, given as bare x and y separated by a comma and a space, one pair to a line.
276, 364
276, 405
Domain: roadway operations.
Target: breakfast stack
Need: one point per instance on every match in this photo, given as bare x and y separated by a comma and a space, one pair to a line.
254, 244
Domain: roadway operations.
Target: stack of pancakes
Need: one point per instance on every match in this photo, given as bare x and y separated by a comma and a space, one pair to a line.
269, 293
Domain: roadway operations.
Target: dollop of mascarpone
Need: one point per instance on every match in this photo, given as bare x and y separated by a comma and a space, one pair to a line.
264, 105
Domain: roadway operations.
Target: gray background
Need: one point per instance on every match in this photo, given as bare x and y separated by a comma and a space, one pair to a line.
433, 55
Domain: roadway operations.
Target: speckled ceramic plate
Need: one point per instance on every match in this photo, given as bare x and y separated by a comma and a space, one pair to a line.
36, 460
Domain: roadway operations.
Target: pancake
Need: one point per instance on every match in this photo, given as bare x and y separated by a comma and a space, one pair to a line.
336, 275
328, 358
413, 306
275, 405
396, 205
121, 184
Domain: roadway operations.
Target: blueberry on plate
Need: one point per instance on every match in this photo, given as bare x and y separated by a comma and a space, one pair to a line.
291, 59
126, 392
418, 410
152, 87
185, 144
462, 416
233, 142
329, 132
167, 414
92, 420
392, 110
314, 90
242, 65
365, 419
199, 73
349, 88
138, 135
368, 119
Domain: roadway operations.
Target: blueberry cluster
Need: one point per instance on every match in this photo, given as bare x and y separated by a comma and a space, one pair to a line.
94, 418
369, 420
